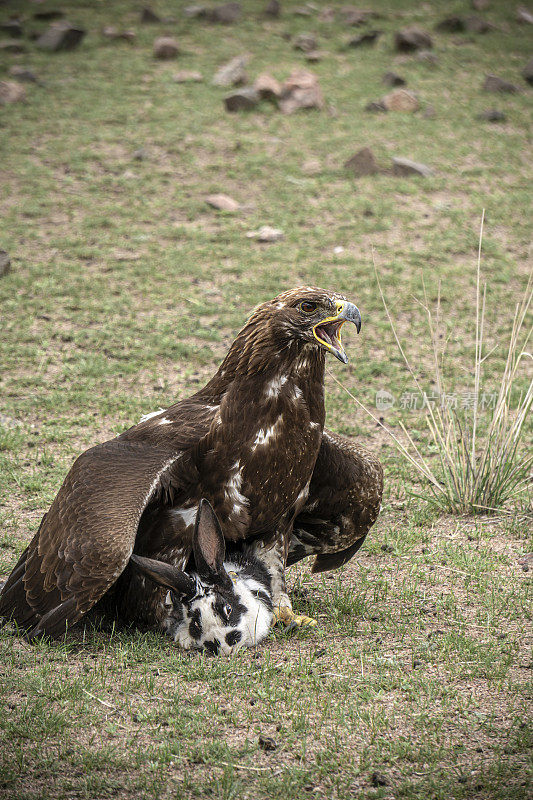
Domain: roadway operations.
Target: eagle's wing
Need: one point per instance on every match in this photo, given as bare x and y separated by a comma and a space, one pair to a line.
85, 540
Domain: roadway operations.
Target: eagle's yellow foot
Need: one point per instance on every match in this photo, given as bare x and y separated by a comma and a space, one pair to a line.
284, 615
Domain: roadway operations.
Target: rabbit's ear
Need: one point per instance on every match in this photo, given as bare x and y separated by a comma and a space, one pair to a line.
208, 543
165, 575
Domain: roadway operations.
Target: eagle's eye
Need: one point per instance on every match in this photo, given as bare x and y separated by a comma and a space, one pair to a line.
307, 306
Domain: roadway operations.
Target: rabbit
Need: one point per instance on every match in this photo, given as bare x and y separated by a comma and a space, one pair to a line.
221, 605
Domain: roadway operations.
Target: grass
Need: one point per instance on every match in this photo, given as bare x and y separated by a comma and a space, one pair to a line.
125, 291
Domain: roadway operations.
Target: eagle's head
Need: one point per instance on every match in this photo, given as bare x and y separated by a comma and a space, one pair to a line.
313, 316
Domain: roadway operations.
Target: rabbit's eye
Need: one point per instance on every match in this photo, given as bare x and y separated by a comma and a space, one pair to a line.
226, 611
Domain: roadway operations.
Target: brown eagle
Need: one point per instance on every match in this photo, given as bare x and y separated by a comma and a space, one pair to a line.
252, 442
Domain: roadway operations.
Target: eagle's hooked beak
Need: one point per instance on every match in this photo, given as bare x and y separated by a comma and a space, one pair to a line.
328, 332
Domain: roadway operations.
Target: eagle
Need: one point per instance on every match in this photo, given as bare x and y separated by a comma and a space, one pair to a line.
251, 442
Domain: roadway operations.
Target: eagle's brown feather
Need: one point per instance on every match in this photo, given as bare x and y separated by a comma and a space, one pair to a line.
248, 442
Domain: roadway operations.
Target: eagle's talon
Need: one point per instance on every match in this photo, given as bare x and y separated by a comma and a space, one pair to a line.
285, 615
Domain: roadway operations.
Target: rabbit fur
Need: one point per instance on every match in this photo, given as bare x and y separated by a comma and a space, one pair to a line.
223, 603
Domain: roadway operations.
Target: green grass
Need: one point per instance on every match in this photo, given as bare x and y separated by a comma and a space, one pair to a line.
125, 292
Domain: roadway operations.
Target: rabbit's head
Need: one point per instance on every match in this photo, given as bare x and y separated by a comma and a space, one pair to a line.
216, 606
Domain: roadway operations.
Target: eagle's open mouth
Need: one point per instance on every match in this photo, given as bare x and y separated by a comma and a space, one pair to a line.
330, 333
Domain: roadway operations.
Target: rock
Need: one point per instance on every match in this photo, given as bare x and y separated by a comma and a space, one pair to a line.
302, 11
356, 16
266, 234
222, 202
301, 90
226, 13
110, 32
305, 42
266, 743
243, 100
476, 24
187, 76
362, 163
527, 72
480, 5
60, 36
23, 74
5, 421
195, 11
273, 8
140, 154
427, 57
368, 38
523, 14
403, 166
49, 15
12, 27
5, 261
393, 79
376, 106
314, 56
166, 47
453, 24
401, 100
410, 39
492, 115
149, 17
11, 92
233, 73
9, 46
378, 779
267, 87
494, 84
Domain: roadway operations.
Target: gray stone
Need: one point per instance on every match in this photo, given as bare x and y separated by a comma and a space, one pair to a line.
527, 72
301, 91
23, 74
305, 42
5, 263
427, 57
267, 87
266, 234
273, 8
222, 202
9, 46
492, 115
233, 73
166, 47
523, 14
393, 79
110, 32
49, 15
196, 11
11, 92
404, 166
187, 76
266, 743
368, 38
60, 36
362, 163
475, 24
149, 17
411, 39
453, 24
12, 27
242, 100
226, 13
494, 84
376, 106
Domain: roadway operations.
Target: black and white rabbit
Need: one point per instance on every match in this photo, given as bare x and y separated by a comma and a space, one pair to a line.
221, 604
